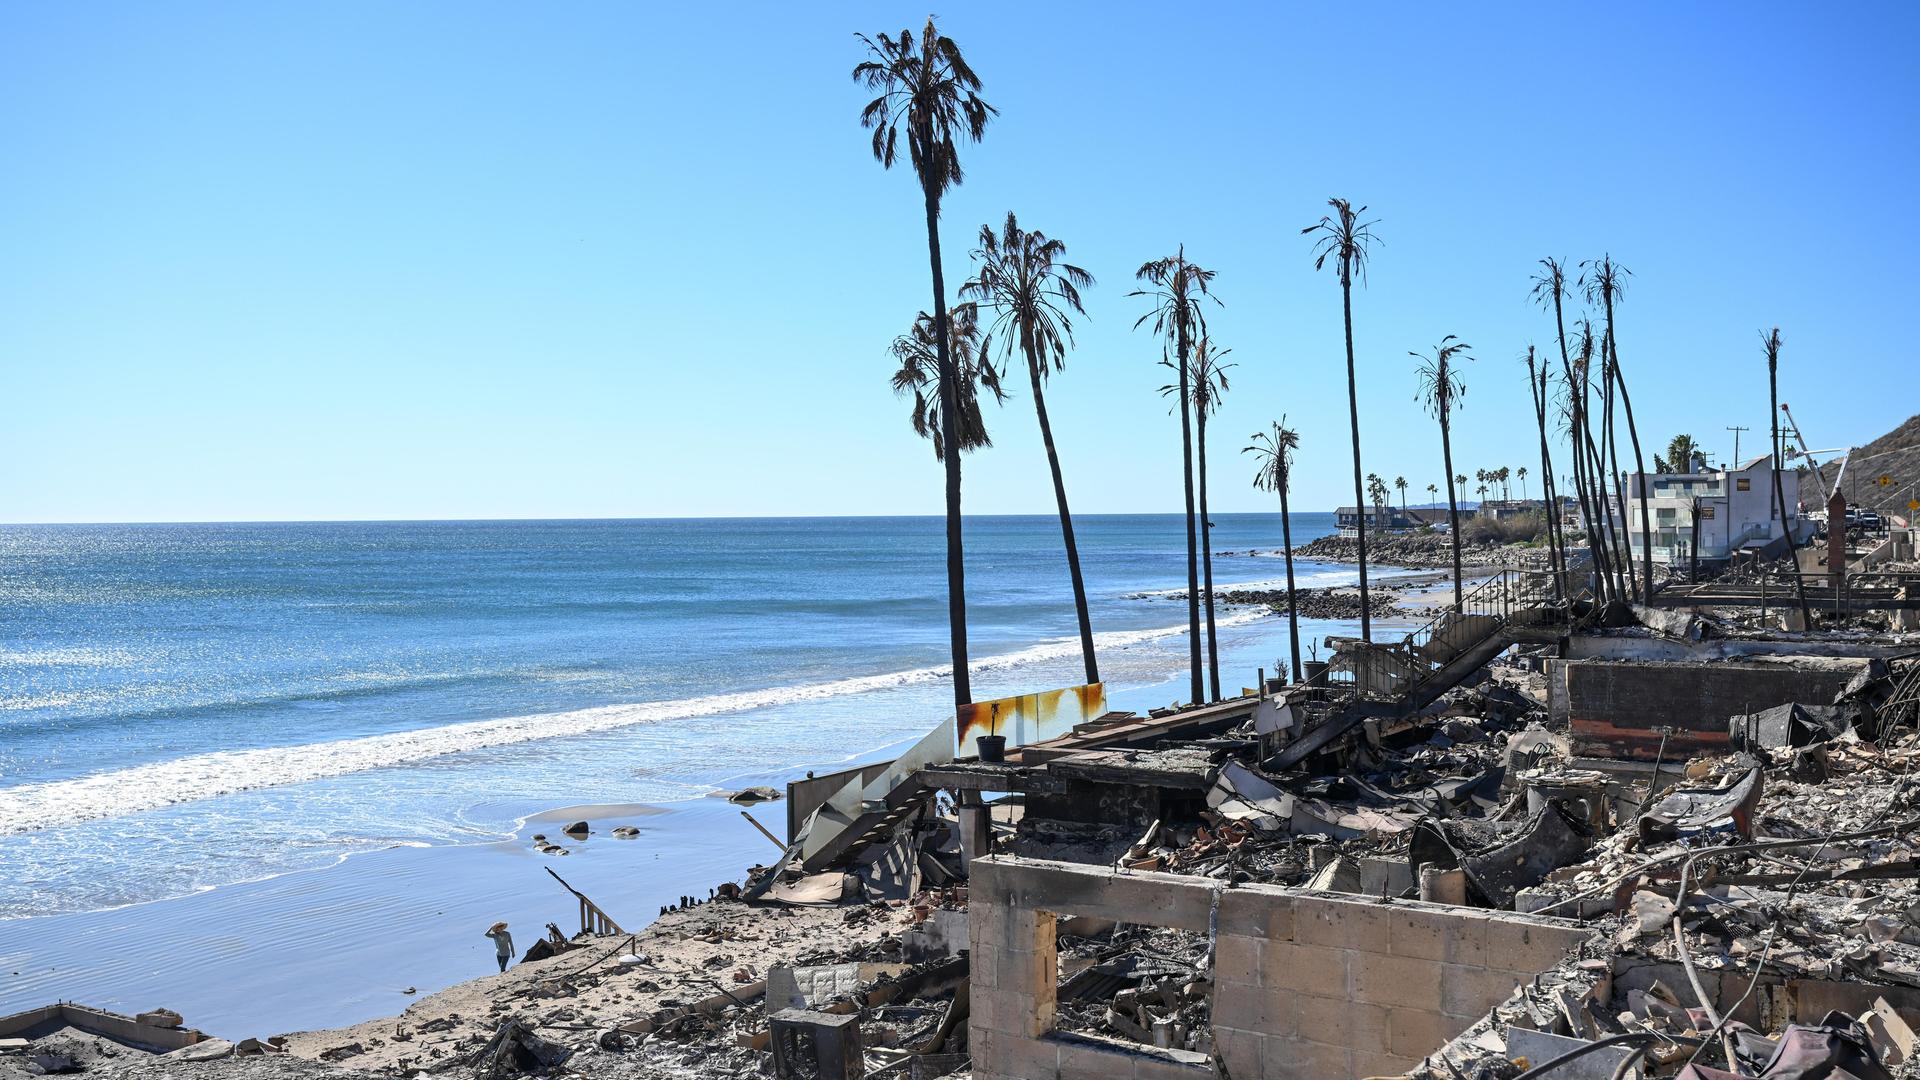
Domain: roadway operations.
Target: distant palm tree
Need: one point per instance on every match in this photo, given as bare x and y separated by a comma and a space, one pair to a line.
1502, 474
1432, 493
1274, 452
1033, 292
919, 372
1680, 453
1521, 472
1401, 483
1176, 289
1771, 343
1207, 382
927, 88
1377, 494
1607, 281
1441, 389
1345, 239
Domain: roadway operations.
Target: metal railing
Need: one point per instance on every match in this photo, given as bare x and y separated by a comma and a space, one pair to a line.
1389, 669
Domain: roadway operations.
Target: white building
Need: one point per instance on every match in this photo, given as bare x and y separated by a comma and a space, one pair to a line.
1735, 507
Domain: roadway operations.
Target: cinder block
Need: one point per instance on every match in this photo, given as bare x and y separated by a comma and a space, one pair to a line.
1352, 1024
984, 1044
1300, 1059
1427, 934
1249, 913
1280, 921
1035, 1058
1414, 1033
1384, 979
984, 963
1341, 924
1367, 1066
1237, 959
1470, 991
1237, 1048
1008, 1012
1154, 1067
1306, 969
1090, 1059
1519, 944
1156, 899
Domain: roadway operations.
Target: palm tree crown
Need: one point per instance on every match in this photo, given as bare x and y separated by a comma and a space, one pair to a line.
1273, 456
1440, 384
1343, 238
1032, 293
927, 88
920, 370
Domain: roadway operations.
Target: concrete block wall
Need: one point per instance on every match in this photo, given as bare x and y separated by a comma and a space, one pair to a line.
1307, 984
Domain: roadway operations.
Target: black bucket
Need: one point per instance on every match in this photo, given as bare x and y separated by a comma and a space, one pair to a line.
993, 748
1316, 672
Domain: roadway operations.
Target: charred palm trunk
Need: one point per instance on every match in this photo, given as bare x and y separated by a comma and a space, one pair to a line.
1206, 558
1197, 687
1453, 507
1546, 477
1639, 463
1353, 417
1610, 458
1066, 516
950, 439
1293, 600
1587, 509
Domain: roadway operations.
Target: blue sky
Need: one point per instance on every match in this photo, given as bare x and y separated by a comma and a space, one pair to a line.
358, 260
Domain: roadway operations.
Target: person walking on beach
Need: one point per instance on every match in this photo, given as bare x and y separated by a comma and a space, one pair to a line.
502, 943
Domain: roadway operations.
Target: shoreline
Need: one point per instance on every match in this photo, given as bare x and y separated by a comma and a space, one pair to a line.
299, 949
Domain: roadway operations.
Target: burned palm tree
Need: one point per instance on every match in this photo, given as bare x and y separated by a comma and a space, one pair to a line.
1607, 282
926, 89
1550, 291
918, 377
1400, 482
1537, 387
1273, 453
1771, 343
1588, 353
1177, 290
1207, 382
1346, 240
1441, 390
1033, 294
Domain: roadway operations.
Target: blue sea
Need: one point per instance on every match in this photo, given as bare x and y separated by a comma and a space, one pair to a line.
186, 709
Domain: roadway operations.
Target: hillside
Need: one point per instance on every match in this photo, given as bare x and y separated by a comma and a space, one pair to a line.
1895, 454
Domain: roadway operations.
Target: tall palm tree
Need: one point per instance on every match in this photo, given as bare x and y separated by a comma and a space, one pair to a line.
1521, 472
1503, 474
1177, 289
1607, 281
1771, 343
1550, 290
1207, 378
927, 89
1441, 389
1274, 453
1432, 492
1401, 483
1033, 292
1345, 239
919, 371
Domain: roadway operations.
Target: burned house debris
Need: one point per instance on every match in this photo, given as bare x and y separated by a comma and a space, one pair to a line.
1528, 838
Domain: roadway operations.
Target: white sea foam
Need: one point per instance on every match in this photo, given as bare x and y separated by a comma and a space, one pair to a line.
31, 807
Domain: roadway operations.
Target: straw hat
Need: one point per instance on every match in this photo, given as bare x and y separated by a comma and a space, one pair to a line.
496, 928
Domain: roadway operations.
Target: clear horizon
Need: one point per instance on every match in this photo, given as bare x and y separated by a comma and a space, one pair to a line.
480, 262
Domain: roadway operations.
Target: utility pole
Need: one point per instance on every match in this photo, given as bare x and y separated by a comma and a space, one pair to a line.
1736, 443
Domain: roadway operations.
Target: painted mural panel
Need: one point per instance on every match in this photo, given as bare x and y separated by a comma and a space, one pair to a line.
1030, 718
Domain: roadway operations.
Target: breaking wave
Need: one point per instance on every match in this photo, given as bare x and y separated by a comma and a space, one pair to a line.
31, 807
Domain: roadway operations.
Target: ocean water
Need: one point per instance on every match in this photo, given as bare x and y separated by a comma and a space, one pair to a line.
186, 708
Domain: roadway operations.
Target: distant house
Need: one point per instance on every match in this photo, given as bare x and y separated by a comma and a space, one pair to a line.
1724, 511
1379, 517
